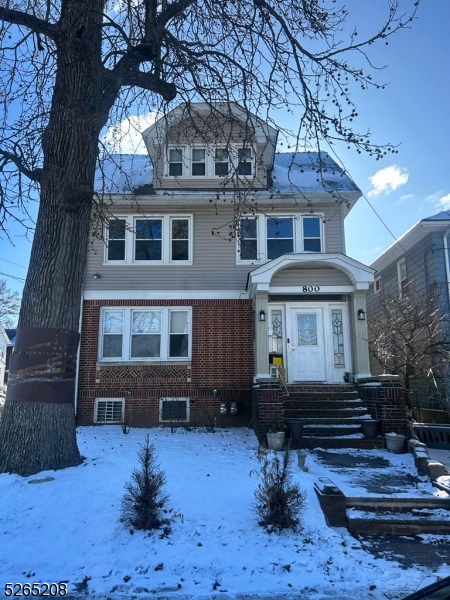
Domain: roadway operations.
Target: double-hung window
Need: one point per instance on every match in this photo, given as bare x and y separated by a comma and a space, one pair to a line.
245, 162
221, 162
163, 239
116, 239
402, 277
265, 238
145, 334
175, 162
198, 164
280, 236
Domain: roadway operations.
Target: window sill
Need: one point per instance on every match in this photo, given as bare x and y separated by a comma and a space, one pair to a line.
140, 363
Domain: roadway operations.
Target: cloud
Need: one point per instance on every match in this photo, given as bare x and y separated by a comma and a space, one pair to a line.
406, 196
388, 180
126, 137
444, 201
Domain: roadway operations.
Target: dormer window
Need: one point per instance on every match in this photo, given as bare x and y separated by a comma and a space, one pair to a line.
245, 161
175, 162
221, 160
198, 162
210, 162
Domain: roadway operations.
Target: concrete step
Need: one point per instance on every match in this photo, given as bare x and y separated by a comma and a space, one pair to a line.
413, 523
326, 413
355, 441
327, 430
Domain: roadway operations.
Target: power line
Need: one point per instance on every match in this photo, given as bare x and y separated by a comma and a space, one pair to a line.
12, 277
13, 263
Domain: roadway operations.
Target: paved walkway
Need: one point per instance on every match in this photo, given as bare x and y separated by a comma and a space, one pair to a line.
408, 551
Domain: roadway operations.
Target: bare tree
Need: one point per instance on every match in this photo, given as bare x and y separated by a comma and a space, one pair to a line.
408, 335
70, 67
9, 305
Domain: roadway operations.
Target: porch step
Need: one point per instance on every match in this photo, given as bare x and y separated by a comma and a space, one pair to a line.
332, 416
398, 516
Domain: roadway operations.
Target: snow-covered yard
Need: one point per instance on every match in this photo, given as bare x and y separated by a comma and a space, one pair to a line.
68, 529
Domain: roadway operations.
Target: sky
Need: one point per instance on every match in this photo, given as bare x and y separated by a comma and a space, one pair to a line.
65, 526
412, 111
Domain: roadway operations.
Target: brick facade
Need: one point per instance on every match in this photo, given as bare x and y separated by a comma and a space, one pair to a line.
386, 402
222, 360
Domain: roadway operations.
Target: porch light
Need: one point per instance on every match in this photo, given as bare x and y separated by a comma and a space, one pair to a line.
262, 315
233, 408
96, 276
361, 315
223, 408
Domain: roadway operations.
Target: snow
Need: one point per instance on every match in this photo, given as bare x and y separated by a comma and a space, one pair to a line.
292, 174
68, 527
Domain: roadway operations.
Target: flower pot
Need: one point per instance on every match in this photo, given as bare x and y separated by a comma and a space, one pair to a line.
395, 442
369, 428
295, 427
275, 440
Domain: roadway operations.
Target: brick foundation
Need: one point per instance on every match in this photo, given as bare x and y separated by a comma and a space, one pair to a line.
221, 369
385, 401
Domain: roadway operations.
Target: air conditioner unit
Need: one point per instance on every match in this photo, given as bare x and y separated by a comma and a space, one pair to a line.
273, 371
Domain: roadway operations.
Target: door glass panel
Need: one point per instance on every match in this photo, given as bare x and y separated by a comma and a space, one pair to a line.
307, 329
338, 338
277, 332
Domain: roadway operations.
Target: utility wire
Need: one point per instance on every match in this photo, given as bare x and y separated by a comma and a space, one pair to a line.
13, 263
12, 277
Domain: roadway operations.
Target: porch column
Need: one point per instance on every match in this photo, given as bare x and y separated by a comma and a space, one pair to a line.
261, 333
360, 345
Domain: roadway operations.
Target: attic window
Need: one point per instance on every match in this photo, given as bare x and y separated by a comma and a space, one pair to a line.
175, 162
221, 162
245, 161
198, 162
377, 285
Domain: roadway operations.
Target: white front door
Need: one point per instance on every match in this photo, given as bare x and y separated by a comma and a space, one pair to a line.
306, 347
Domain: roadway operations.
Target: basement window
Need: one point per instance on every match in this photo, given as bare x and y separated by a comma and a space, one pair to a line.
109, 410
173, 409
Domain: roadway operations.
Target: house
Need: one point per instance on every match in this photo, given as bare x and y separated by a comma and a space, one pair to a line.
11, 333
221, 267
411, 286
4, 343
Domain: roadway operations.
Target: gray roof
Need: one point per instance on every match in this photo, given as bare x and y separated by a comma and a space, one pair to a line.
293, 173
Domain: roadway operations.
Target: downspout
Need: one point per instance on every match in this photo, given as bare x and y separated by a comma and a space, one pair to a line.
77, 370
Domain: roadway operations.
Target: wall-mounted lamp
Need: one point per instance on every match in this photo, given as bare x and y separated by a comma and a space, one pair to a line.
361, 315
262, 315
96, 276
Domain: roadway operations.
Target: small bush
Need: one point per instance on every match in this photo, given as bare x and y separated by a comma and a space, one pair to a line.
279, 502
144, 500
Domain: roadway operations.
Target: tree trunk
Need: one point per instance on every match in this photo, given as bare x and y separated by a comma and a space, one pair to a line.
37, 430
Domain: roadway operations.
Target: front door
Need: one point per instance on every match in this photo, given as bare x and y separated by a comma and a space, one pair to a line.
306, 347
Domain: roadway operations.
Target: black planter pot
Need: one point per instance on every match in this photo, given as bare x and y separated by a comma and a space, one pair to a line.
295, 427
369, 428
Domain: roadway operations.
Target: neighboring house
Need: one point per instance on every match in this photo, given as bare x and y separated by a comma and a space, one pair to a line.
222, 259
4, 342
11, 333
413, 278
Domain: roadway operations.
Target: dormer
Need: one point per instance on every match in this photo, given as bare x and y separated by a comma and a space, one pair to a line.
203, 146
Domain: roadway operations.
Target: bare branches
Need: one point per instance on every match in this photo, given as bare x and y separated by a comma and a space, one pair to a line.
9, 305
31, 22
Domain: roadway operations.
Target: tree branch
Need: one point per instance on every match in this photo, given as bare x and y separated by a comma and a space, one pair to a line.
18, 17
148, 81
9, 157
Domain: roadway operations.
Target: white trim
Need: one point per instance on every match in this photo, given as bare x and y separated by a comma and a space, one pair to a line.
447, 260
324, 289
165, 295
360, 275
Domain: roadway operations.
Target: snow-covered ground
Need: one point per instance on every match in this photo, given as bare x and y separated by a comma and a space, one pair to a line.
68, 529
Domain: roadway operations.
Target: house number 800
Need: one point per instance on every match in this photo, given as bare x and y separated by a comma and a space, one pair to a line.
311, 288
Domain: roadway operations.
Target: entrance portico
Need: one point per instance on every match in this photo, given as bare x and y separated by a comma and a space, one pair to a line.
314, 310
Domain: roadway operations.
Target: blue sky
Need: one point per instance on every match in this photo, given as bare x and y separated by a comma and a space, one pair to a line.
412, 111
